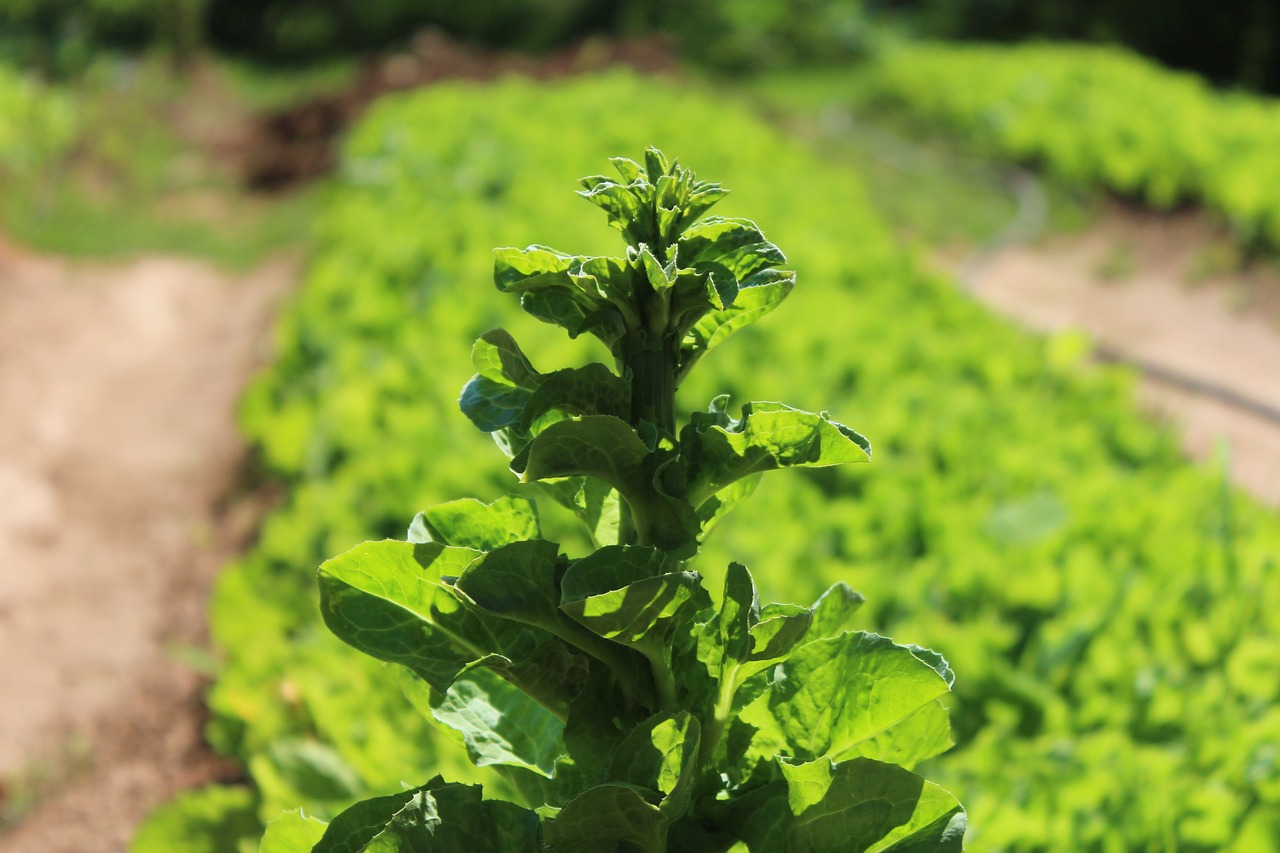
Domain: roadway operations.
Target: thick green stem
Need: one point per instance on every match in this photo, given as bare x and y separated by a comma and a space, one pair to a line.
653, 387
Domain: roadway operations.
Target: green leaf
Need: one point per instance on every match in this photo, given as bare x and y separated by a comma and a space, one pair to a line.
610, 817
590, 390
715, 508
661, 755
490, 405
921, 736
736, 244
495, 397
608, 449
718, 451
469, 523
628, 594
498, 357
500, 723
858, 806
757, 296
833, 611
597, 504
292, 832
579, 294
832, 695
391, 600
516, 581
439, 817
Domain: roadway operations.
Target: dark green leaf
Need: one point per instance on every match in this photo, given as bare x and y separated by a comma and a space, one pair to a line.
661, 755
628, 594
608, 449
436, 818
609, 817
590, 390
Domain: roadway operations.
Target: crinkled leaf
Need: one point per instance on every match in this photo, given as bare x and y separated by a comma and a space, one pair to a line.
934, 661
437, 818
590, 390
661, 755
469, 523
759, 294
608, 817
500, 723
718, 451
858, 806
393, 601
608, 449
831, 695
736, 244
292, 832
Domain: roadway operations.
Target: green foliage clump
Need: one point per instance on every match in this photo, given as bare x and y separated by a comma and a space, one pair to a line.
1110, 607
1100, 116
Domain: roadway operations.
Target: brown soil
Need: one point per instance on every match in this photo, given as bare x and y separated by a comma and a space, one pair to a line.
1167, 292
300, 143
118, 471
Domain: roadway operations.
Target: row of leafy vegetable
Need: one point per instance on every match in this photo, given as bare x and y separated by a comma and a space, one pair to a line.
1109, 607
1100, 117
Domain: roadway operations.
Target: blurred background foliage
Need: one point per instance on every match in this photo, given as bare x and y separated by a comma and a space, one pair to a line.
1231, 42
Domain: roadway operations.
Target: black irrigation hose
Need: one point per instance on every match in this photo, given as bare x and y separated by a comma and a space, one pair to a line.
1028, 222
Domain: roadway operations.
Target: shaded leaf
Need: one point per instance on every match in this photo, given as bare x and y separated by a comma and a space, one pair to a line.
608, 449
500, 723
437, 818
661, 755
607, 817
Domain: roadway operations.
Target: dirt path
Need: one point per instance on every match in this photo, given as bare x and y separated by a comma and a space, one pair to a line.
118, 464
1155, 289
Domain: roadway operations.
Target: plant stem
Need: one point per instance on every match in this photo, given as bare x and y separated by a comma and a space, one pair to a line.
653, 387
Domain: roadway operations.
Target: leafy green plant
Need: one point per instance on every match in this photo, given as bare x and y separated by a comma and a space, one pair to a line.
625, 706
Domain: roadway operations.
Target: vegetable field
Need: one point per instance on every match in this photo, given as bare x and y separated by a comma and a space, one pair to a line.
1108, 608
1098, 116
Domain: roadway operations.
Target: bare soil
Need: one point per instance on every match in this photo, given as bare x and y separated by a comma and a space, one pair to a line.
1169, 292
119, 501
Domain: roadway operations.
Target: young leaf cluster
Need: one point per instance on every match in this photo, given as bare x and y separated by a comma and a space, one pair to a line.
631, 709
